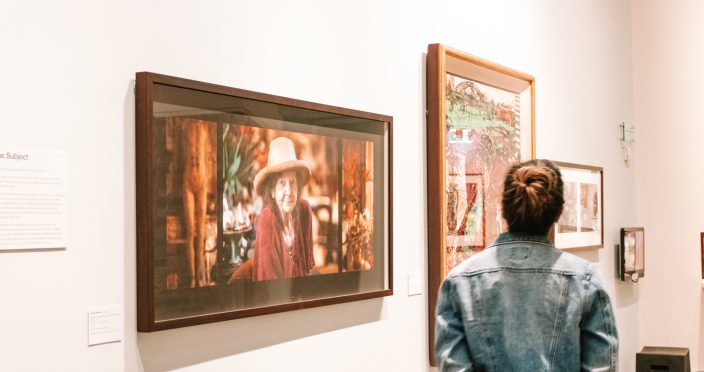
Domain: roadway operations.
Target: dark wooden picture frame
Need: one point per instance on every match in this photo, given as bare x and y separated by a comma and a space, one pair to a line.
251, 204
581, 225
701, 251
480, 119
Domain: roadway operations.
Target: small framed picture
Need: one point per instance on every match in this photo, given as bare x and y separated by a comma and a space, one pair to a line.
701, 240
632, 253
581, 224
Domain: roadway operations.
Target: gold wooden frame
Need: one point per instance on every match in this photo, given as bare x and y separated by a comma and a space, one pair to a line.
441, 60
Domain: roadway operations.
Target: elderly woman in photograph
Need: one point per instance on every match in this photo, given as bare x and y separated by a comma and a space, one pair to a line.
284, 245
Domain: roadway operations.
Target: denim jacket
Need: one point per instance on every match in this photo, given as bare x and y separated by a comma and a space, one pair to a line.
523, 305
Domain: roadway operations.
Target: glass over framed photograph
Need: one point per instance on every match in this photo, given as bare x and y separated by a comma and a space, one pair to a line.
632, 253
249, 203
581, 224
480, 121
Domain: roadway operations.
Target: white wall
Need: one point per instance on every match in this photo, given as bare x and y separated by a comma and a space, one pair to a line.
68, 83
668, 76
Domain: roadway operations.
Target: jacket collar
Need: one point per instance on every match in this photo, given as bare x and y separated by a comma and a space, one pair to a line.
509, 237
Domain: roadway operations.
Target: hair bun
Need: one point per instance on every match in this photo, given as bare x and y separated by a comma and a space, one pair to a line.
534, 176
532, 198
526, 177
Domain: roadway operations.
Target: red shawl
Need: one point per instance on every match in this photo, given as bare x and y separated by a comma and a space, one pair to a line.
272, 259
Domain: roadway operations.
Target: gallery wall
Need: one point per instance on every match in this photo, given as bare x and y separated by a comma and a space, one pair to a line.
69, 85
667, 78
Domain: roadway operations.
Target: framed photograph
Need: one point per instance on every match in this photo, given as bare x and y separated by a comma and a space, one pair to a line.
632, 253
581, 224
480, 121
250, 204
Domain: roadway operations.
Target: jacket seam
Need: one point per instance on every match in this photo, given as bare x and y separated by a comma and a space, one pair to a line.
558, 322
610, 327
587, 303
514, 269
455, 310
526, 242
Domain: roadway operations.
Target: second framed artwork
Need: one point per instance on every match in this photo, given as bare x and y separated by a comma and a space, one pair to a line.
581, 224
480, 121
250, 204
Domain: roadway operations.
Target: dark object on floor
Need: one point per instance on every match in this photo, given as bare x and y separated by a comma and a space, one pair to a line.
656, 359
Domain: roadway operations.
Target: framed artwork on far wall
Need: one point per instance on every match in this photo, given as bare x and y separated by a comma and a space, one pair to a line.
632, 253
480, 121
701, 240
251, 204
581, 224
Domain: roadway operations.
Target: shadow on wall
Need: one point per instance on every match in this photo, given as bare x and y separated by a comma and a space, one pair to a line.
130, 229
178, 348
589, 254
626, 291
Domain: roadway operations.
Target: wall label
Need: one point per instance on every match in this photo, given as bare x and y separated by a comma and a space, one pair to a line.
32, 198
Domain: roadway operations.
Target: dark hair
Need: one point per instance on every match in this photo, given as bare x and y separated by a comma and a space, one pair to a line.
533, 198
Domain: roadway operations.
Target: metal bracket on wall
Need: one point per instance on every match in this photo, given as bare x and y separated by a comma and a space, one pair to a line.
626, 138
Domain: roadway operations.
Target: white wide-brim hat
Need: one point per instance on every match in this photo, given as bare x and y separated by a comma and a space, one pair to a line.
282, 158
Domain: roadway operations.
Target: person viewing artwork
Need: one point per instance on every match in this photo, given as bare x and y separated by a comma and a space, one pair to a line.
521, 304
283, 246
